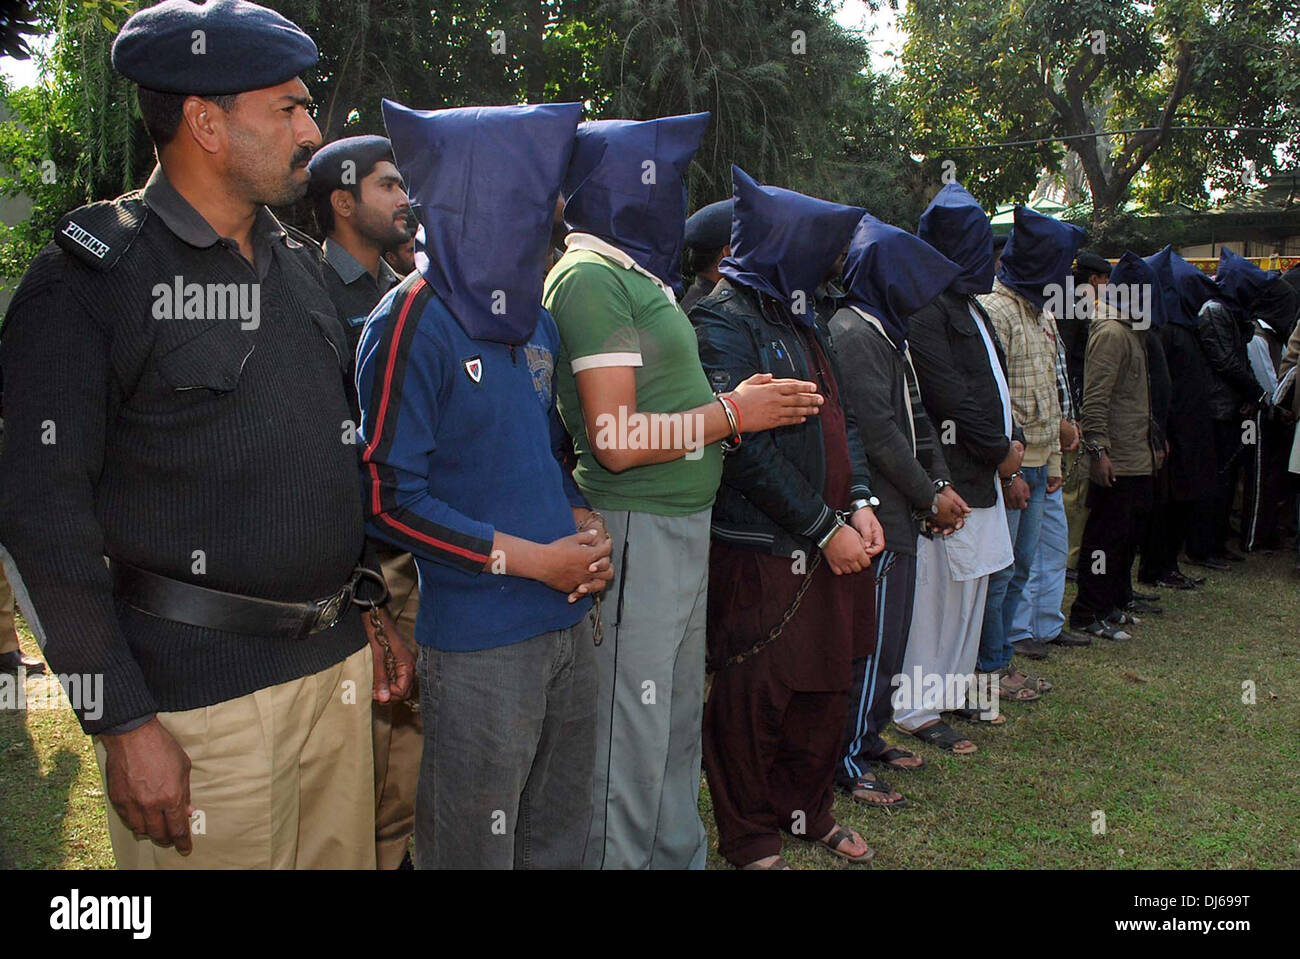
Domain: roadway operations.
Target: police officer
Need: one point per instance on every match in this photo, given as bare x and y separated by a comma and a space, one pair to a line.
175, 403
708, 237
363, 212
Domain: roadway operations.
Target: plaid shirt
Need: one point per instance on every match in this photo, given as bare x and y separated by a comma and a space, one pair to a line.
1035, 372
1063, 392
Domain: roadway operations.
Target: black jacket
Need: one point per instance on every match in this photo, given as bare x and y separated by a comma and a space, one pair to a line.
1161, 388
771, 494
1190, 426
961, 393
1223, 338
875, 386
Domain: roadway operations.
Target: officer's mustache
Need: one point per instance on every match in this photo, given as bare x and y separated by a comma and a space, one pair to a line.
300, 157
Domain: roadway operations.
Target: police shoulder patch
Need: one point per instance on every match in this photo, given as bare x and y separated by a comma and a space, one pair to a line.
99, 233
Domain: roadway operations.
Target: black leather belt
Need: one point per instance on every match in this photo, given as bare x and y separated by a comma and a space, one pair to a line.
181, 602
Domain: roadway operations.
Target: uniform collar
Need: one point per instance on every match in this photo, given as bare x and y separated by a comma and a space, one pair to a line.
350, 269
188, 224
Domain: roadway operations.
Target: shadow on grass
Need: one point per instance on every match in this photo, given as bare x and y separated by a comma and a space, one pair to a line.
35, 802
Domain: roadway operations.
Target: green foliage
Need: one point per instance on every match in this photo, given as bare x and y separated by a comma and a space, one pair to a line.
986, 71
791, 96
74, 137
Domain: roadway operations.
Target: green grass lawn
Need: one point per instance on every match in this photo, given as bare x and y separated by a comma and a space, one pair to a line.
1152, 733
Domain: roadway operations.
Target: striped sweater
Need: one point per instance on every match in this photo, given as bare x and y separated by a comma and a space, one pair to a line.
462, 438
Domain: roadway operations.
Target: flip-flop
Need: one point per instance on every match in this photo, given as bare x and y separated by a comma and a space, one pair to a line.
892, 753
945, 737
778, 865
976, 716
863, 784
837, 836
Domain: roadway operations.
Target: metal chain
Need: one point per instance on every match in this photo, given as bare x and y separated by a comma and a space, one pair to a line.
775, 632
390, 660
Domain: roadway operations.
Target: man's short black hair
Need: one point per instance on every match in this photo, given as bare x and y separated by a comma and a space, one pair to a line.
703, 261
162, 112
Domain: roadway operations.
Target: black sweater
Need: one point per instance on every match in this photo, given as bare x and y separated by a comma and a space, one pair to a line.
876, 386
171, 437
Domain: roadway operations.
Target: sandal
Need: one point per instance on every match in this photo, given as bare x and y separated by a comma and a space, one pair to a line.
837, 836
874, 785
945, 737
1016, 692
1035, 683
891, 756
778, 865
976, 716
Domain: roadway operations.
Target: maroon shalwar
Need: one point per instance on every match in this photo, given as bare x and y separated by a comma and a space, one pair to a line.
772, 724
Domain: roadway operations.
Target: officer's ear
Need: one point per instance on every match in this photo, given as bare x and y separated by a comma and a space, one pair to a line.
204, 122
343, 203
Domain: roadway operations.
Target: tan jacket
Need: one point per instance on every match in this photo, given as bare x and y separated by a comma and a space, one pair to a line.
1117, 393
1289, 359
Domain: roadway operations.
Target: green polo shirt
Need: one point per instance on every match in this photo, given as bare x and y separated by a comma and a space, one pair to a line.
610, 315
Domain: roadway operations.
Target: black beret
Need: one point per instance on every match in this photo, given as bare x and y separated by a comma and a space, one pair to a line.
326, 167
1091, 263
238, 46
709, 227
1000, 240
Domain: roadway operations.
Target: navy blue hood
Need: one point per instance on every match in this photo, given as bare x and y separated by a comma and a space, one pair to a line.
1039, 253
1194, 288
607, 194
483, 183
1240, 283
1148, 311
891, 274
1171, 303
955, 224
784, 243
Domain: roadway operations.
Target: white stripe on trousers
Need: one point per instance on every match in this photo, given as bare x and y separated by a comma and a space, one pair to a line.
867, 698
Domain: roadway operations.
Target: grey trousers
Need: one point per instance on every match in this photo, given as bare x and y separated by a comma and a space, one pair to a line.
505, 776
650, 700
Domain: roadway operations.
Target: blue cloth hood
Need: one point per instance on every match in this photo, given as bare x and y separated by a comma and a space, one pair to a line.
483, 183
1146, 308
1171, 303
1194, 288
607, 193
891, 274
955, 224
1240, 283
1039, 253
784, 243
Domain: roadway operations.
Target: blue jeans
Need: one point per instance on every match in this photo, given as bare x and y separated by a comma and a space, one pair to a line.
1007, 586
1040, 616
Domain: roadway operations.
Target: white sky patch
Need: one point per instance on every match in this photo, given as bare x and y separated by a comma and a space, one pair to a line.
883, 36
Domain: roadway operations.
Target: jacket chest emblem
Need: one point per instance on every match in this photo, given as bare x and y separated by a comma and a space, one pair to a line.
474, 369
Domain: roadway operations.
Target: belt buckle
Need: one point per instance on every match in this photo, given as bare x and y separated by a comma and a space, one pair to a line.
329, 610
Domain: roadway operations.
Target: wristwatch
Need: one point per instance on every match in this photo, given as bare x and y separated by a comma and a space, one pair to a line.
939, 486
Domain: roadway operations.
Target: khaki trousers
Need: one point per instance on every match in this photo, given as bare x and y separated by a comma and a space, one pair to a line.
397, 731
1074, 495
280, 779
8, 633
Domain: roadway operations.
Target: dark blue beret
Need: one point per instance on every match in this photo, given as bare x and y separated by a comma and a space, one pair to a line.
1092, 263
326, 167
709, 227
240, 46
